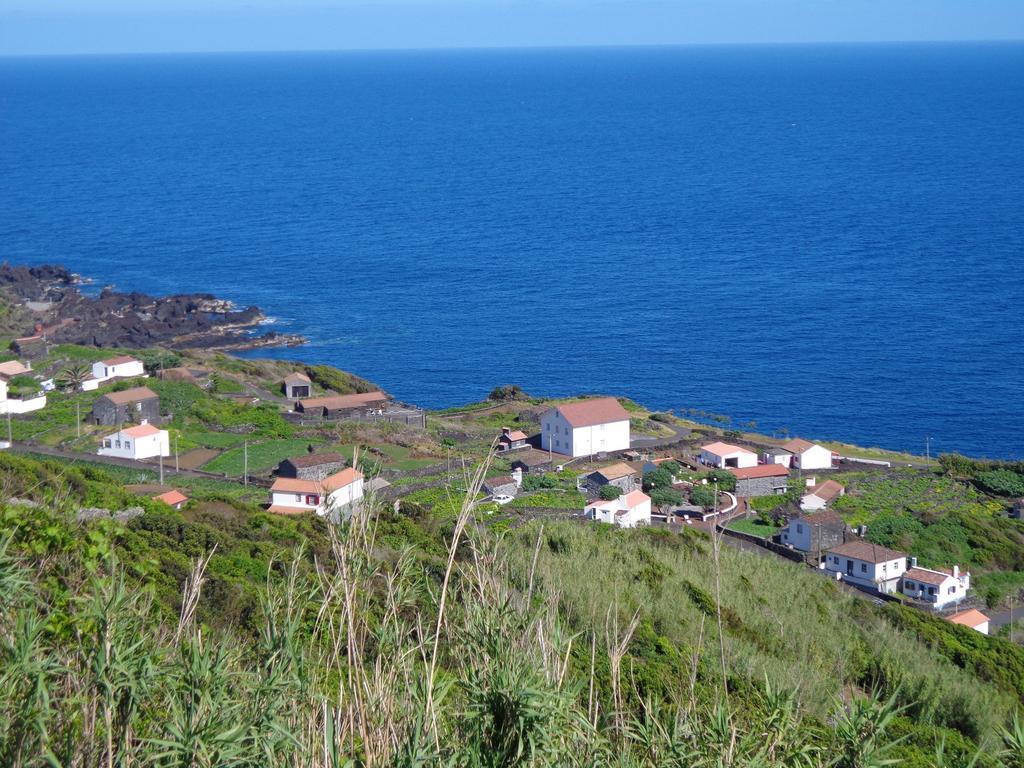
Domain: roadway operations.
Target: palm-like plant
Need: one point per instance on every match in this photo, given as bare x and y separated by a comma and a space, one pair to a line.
73, 376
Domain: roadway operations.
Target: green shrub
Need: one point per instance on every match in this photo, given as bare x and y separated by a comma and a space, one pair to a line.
610, 492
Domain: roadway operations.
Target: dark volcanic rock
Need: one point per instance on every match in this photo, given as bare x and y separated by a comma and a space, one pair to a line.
115, 319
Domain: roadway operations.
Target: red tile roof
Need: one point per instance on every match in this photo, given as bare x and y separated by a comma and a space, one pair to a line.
294, 485
825, 517
797, 445
143, 430
339, 402
171, 497
615, 471
761, 470
517, 435
133, 395
588, 413
927, 576
297, 377
827, 490
866, 551
120, 360
723, 449
340, 479
972, 618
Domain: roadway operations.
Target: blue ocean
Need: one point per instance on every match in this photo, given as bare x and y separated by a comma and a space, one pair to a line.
823, 239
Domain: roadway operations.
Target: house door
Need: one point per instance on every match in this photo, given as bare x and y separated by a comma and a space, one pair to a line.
849, 567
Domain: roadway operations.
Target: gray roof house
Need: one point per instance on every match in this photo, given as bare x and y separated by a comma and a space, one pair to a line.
128, 406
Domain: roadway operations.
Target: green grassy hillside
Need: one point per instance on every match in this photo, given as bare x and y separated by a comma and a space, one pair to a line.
220, 635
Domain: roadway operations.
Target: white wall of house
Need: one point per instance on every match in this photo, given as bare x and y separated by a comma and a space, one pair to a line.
737, 459
815, 457
129, 447
983, 628
608, 512
561, 437
346, 494
16, 405
953, 589
102, 371
883, 576
785, 459
297, 501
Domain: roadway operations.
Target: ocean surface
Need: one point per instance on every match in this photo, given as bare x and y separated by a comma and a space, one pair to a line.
822, 239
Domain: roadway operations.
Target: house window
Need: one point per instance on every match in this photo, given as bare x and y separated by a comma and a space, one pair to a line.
799, 527
138, 407
951, 591
127, 444
931, 590
908, 584
863, 567
298, 497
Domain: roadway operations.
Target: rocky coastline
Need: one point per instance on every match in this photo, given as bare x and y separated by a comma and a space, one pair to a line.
52, 298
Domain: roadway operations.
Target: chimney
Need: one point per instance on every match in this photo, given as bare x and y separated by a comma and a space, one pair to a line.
505, 431
517, 475
810, 482
956, 571
913, 562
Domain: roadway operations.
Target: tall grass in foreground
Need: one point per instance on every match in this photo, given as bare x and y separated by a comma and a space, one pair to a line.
372, 659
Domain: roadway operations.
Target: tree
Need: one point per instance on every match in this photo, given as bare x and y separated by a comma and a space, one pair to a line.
666, 497
610, 492
657, 478
73, 376
726, 479
702, 496
508, 392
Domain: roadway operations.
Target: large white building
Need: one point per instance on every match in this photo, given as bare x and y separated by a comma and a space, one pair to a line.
141, 442
627, 511
725, 455
290, 496
585, 428
867, 565
122, 367
940, 588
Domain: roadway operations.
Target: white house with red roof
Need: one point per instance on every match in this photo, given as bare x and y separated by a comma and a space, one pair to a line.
800, 454
122, 367
726, 455
292, 496
627, 511
592, 426
940, 588
140, 442
973, 618
867, 565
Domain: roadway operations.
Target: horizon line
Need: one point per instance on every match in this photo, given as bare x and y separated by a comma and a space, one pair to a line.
525, 47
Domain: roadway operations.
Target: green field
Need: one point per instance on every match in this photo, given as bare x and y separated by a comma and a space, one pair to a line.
262, 456
754, 527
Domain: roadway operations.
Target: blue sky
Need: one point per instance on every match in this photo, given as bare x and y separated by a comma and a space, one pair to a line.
118, 26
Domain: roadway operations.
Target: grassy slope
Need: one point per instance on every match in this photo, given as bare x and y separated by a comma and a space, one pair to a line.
781, 622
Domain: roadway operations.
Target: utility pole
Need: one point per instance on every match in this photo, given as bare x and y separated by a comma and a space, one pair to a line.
10, 439
161, 466
245, 464
927, 450
176, 470
78, 418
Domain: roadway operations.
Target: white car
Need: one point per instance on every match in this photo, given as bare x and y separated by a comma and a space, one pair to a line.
502, 498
